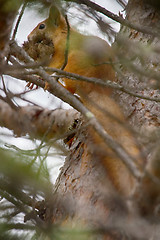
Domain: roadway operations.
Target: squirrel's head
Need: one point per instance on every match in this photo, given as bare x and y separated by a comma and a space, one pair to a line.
47, 27
40, 44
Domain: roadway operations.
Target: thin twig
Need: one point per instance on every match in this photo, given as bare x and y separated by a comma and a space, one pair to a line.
7, 98
67, 44
19, 226
16, 26
18, 21
123, 3
106, 83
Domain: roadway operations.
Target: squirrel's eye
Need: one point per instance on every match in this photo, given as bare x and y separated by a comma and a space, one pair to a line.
42, 26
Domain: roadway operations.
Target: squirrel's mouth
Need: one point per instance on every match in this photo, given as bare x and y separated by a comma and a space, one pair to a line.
40, 48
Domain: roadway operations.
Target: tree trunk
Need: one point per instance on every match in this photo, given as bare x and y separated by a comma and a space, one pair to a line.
82, 178
142, 114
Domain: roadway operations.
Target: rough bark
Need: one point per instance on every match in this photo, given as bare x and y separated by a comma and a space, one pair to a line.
83, 182
142, 114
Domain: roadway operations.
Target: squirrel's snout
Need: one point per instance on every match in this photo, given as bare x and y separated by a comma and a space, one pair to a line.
30, 37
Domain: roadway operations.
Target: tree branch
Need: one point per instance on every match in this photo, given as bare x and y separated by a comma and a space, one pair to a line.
36, 121
107, 83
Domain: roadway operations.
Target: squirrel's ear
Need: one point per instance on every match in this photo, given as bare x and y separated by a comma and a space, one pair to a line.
54, 16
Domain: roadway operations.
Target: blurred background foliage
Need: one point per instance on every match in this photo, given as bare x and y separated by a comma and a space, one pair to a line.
23, 183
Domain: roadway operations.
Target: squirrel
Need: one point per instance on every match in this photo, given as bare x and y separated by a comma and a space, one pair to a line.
88, 56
